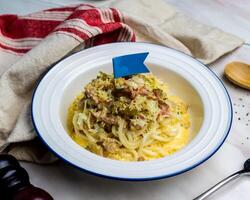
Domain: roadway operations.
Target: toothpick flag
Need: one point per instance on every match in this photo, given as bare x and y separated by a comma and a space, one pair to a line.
129, 65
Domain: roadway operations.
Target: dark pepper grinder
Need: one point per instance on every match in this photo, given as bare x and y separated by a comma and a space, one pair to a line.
15, 183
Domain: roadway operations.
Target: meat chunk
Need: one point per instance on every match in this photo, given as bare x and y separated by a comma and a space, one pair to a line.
104, 117
141, 91
164, 109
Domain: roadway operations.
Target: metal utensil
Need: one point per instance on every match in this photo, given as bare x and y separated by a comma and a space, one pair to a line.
243, 172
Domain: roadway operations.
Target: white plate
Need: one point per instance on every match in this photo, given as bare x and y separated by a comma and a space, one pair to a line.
208, 100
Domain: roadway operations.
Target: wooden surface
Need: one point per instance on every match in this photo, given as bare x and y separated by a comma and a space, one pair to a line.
64, 182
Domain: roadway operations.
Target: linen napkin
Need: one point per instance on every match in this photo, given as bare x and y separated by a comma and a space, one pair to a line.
31, 44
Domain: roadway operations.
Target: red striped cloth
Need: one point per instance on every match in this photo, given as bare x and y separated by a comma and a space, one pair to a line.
85, 23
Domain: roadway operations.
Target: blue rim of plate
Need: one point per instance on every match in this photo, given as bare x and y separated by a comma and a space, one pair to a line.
140, 179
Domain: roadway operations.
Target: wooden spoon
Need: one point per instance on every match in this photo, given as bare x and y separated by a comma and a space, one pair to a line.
238, 73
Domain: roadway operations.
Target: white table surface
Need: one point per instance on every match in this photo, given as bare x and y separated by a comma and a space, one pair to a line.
67, 183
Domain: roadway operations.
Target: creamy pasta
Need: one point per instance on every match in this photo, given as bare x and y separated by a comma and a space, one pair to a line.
131, 119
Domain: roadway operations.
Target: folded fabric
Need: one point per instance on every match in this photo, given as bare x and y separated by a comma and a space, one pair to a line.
31, 44
203, 42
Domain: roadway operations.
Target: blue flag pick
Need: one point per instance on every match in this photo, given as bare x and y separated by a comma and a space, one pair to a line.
129, 65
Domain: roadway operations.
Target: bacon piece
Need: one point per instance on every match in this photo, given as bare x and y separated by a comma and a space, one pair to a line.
141, 91
105, 118
157, 93
164, 109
